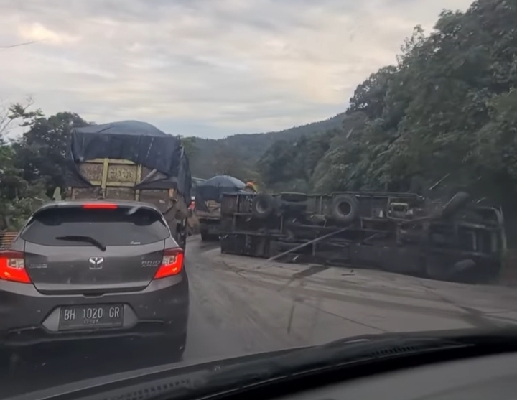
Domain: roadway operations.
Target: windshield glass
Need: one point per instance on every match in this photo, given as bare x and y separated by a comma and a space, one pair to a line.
185, 181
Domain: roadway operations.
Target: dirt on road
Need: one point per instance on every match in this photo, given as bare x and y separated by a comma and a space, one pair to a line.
242, 305
310, 304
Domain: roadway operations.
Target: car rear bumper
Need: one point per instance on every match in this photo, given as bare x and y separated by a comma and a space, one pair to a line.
28, 317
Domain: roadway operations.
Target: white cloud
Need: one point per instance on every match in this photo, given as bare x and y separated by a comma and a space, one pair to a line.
209, 67
39, 33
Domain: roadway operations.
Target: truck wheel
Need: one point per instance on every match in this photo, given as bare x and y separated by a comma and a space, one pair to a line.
183, 240
180, 240
344, 208
224, 245
263, 205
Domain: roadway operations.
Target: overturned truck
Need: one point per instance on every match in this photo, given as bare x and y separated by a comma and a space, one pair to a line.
131, 160
398, 232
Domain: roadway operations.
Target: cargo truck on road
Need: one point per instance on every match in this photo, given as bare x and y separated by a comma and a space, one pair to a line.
208, 203
131, 160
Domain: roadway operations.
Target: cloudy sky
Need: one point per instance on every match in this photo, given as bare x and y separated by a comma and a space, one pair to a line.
208, 68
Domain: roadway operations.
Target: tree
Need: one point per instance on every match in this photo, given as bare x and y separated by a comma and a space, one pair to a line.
446, 109
18, 198
42, 149
288, 166
17, 113
189, 144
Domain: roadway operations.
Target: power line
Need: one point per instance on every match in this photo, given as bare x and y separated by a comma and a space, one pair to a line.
18, 45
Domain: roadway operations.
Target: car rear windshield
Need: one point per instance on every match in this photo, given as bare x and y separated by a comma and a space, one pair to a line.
111, 227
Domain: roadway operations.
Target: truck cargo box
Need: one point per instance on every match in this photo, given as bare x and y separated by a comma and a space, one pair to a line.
138, 142
131, 160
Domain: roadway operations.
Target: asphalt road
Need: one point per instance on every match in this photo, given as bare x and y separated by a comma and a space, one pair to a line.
242, 305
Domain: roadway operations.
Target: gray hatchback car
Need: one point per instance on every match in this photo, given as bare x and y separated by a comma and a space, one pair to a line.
94, 270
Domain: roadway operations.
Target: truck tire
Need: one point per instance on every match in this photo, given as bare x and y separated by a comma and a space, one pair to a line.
179, 233
263, 205
344, 208
183, 239
224, 245
204, 236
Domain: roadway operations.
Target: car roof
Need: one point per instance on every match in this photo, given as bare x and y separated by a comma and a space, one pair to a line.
80, 203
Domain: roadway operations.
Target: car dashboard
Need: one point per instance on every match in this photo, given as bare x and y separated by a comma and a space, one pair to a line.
492, 377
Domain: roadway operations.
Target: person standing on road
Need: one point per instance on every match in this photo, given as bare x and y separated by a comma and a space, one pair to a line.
250, 187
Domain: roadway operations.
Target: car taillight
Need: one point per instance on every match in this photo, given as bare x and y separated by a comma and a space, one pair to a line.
12, 267
172, 263
100, 206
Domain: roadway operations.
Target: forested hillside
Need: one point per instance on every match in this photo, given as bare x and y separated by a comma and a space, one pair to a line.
238, 153
447, 111
448, 108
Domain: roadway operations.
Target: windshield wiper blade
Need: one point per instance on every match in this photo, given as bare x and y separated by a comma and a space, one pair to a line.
86, 239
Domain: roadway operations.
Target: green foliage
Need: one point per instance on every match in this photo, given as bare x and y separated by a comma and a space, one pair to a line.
190, 146
248, 149
42, 149
449, 107
290, 166
18, 197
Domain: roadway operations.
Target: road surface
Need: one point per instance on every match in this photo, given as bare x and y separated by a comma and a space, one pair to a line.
243, 305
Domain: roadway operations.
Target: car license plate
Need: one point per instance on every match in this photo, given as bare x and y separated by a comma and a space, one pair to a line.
91, 316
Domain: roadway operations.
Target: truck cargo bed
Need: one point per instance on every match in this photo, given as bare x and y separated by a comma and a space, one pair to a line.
116, 179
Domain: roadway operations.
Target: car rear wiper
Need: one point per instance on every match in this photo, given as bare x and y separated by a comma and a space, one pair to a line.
133, 210
79, 238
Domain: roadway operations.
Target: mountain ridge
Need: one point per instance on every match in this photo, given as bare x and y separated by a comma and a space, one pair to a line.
250, 147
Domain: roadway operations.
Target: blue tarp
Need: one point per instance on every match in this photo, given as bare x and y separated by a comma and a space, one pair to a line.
213, 188
137, 141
